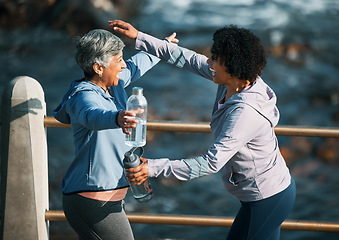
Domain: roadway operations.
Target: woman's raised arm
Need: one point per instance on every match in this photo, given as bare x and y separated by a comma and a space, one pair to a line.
166, 50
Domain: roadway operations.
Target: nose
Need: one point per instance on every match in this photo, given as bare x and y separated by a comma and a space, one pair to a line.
123, 64
209, 61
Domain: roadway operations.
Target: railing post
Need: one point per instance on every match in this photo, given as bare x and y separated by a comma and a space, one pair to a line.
24, 170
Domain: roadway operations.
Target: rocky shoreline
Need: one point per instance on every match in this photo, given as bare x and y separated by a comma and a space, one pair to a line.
75, 17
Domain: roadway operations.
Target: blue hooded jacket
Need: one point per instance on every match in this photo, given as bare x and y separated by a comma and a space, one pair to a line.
99, 144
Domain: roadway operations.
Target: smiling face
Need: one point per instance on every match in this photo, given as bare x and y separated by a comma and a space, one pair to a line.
219, 73
110, 74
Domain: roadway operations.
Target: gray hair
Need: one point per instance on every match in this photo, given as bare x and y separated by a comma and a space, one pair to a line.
97, 46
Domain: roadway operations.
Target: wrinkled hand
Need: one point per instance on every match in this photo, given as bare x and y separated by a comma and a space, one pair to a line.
124, 28
126, 119
172, 38
138, 174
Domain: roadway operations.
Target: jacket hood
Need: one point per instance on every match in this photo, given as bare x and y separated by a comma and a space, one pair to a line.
260, 97
80, 85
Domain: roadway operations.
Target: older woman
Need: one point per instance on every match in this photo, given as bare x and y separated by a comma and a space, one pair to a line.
244, 115
95, 184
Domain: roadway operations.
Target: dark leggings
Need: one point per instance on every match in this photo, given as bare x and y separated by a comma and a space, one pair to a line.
93, 219
261, 220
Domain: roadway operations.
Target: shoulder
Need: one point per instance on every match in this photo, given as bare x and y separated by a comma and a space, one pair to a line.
89, 96
241, 111
242, 120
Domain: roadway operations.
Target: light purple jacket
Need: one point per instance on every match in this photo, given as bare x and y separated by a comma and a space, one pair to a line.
245, 148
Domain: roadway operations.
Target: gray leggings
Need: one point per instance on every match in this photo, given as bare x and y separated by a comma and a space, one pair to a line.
93, 219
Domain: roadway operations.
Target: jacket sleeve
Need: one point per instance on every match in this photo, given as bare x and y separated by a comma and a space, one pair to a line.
137, 66
236, 132
84, 109
173, 54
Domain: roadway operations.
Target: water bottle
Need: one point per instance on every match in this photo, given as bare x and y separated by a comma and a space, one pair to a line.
143, 192
137, 138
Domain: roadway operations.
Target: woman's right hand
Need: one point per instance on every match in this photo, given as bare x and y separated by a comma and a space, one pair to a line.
128, 30
139, 174
126, 119
124, 28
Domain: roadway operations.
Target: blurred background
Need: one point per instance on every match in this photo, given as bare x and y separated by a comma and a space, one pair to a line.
301, 41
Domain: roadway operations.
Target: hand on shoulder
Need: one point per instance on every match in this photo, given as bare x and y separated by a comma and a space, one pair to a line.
124, 28
128, 30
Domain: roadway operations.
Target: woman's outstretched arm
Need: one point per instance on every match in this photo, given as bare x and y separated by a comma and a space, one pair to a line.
165, 49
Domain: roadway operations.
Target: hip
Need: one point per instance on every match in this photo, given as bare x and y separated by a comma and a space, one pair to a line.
112, 195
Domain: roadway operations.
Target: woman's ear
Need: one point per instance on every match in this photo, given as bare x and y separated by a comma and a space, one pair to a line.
98, 69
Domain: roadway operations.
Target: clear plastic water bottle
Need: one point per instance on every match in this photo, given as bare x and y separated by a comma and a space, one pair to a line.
137, 138
143, 192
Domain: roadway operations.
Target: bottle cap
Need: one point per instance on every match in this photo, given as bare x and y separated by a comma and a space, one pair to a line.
137, 91
129, 156
133, 154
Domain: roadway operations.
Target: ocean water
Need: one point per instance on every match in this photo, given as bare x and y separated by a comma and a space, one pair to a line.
301, 38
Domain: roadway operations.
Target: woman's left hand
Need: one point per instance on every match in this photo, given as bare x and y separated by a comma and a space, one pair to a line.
172, 38
138, 174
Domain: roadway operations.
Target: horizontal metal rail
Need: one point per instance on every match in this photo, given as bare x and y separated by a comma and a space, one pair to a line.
53, 215
205, 128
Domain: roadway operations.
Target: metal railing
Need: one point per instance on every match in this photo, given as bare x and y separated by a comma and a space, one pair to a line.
208, 220
205, 128
53, 215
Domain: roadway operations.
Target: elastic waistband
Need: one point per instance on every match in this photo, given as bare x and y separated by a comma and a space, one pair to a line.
111, 196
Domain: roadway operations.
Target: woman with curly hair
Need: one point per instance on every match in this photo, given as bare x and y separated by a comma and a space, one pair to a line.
245, 149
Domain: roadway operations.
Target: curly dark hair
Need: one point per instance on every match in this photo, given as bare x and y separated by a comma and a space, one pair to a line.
240, 51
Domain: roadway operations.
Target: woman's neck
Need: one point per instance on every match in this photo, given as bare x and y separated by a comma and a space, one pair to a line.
97, 81
236, 87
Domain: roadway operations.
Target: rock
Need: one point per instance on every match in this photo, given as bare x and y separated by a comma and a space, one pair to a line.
328, 151
298, 147
293, 53
336, 116
75, 17
288, 154
22, 14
